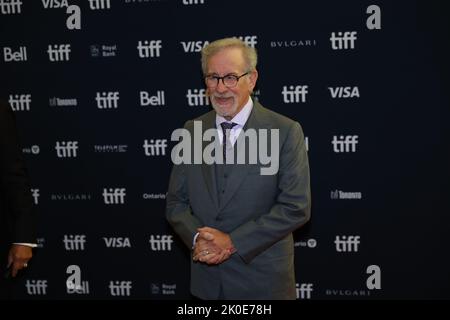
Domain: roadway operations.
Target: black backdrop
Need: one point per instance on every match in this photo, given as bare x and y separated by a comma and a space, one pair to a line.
393, 101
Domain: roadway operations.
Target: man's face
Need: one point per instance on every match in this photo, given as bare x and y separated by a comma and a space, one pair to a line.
229, 101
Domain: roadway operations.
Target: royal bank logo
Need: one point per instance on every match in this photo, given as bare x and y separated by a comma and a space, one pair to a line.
154, 196
20, 102
163, 289
344, 92
155, 147
343, 40
149, 48
303, 290
148, 99
343, 195
107, 100
310, 243
197, 97
99, 4
114, 195
117, 242
347, 243
34, 149
36, 287
120, 288
294, 94
66, 149
35, 194
70, 197
103, 50
74, 242
161, 242
193, 46
62, 102
58, 52
10, 6
344, 144
110, 148
293, 43
15, 55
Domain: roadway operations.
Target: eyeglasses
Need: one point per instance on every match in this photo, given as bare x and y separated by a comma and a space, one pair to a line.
229, 80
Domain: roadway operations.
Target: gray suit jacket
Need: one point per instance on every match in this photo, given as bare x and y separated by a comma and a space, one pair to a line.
260, 212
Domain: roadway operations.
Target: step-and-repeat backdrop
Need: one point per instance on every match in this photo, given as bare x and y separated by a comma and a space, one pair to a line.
98, 86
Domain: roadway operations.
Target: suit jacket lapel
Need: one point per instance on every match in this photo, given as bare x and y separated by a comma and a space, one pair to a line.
208, 170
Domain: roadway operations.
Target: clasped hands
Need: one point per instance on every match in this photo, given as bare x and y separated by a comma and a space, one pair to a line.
212, 246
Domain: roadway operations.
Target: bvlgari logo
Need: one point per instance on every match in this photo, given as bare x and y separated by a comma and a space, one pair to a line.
70, 196
295, 43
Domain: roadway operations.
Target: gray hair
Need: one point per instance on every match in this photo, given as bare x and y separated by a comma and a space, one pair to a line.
250, 55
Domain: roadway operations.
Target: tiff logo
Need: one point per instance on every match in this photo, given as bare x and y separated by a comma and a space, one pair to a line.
10, 7
251, 41
149, 49
107, 100
294, 95
161, 242
35, 195
347, 243
189, 2
10, 55
36, 287
343, 41
58, 52
66, 149
304, 290
114, 195
197, 97
20, 102
147, 100
120, 288
74, 242
155, 147
344, 143
99, 4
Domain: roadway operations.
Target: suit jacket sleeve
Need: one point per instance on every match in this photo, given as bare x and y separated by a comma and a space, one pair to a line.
292, 207
15, 190
178, 210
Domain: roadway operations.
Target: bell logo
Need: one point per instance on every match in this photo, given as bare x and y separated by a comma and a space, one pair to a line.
74, 285
304, 290
36, 287
374, 280
156, 100
161, 242
16, 56
120, 288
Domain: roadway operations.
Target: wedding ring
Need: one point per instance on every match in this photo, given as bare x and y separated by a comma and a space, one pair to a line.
25, 265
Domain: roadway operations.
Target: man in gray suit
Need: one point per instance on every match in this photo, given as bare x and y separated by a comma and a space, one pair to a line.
237, 220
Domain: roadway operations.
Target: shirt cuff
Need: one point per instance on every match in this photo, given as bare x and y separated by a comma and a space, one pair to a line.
195, 240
